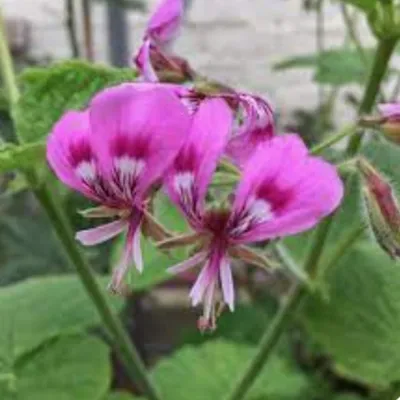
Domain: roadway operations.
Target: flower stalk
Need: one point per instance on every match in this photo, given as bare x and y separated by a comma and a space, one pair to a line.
61, 225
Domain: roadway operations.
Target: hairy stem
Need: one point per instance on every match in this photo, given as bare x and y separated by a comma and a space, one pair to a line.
298, 292
63, 229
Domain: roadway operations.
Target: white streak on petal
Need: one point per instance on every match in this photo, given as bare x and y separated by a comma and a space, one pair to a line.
200, 286
227, 283
260, 210
137, 251
187, 264
209, 301
183, 181
86, 170
102, 233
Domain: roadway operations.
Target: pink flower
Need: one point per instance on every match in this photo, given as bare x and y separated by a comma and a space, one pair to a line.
113, 152
390, 111
283, 191
154, 55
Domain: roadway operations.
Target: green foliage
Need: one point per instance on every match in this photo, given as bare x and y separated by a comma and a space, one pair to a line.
21, 156
334, 67
119, 396
365, 5
68, 368
206, 372
48, 93
37, 310
358, 323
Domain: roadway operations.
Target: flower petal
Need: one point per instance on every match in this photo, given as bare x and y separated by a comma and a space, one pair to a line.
192, 170
390, 110
102, 233
284, 191
187, 264
136, 134
165, 22
144, 64
227, 283
68, 148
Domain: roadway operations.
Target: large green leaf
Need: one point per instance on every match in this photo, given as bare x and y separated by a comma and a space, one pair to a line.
22, 156
208, 371
333, 67
49, 92
40, 309
68, 368
358, 322
120, 396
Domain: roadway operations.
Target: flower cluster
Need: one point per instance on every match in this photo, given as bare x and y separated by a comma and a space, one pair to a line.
136, 138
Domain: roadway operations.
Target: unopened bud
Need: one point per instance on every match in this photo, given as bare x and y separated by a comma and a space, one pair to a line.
382, 207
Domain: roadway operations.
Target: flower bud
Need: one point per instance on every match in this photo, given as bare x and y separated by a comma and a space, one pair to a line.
390, 123
383, 210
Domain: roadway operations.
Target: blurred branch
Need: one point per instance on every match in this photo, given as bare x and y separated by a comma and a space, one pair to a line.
70, 23
87, 29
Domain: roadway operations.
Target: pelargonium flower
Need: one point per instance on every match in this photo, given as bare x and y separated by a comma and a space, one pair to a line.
283, 191
390, 122
113, 152
154, 55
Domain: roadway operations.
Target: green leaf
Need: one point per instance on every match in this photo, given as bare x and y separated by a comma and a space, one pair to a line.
358, 323
21, 156
37, 310
365, 5
49, 92
347, 397
69, 368
333, 67
208, 371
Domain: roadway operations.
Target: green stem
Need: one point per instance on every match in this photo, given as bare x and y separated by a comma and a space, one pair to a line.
382, 57
333, 139
282, 319
297, 294
61, 225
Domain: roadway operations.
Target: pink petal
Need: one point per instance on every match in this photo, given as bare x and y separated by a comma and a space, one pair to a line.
209, 301
102, 233
390, 110
144, 64
143, 128
187, 264
204, 279
227, 283
165, 22
192, 171
131, 252
137, 251
295, 195
71, 131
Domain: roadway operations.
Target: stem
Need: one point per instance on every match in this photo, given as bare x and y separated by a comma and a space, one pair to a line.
87, 29
383, 54
333, 139
61, 225
282, 319
70, 23
273, 332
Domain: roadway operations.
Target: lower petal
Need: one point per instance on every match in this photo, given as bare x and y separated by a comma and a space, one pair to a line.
187, 264
225, 272
202, 282
102, 233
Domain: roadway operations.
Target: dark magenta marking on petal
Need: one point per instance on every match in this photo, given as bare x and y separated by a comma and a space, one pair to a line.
79, 151
136, 147
187, 159
277, 197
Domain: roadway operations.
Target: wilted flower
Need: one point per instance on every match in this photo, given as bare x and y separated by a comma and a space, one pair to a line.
283, 191
154, 57
113, 152
382, 207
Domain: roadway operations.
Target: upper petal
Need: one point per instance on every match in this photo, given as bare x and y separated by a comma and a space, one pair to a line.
69, 152
192, 170
284, 191
144, 64
136, 134
165, 22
